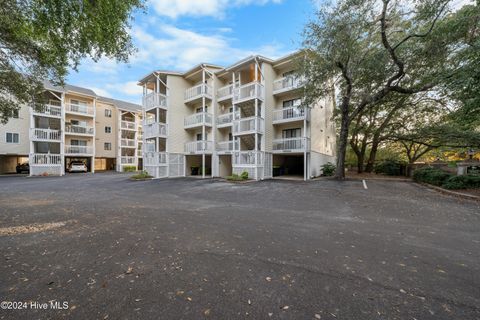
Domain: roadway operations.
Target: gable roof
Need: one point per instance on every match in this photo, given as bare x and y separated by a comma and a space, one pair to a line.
122, 105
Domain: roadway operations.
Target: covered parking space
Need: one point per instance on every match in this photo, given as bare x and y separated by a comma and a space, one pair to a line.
289, 166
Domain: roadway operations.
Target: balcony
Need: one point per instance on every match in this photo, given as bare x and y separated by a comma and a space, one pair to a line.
49, 110
290, 114
155, 159
227, 147
139, 153
80, 109
71, 129
248, 158
127, 143
45, 159
225, 120
287, 84
197, 92
155, 129
290, 145
38, 134
201, 146
225, 93
154, 100
198, 120
84, 150
247, 92
128, 125
127, 160
249, 125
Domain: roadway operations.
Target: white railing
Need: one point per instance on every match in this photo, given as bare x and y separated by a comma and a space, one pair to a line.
44, 159
154, 158
154, 99
198, 119
149, 147
248, 125
226, 146
290, 113
225, 119
198, 91
128, 125
287, 83
251, 158
199, 146
127, 160
80, 108
49, 110
74, 129
78, 150
291, 144
155, 129
225, 92
129, 143
139, 153
45, 134
252, 90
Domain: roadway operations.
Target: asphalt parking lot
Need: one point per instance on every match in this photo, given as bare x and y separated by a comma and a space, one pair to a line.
206, 249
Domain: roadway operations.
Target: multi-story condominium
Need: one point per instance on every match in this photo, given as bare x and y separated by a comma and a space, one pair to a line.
74, 125
216, 121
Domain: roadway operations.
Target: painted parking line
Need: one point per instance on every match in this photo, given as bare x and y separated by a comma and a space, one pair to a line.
364, 184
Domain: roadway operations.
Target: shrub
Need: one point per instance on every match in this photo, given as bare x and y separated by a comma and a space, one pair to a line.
328, 169
462, 182
389, 167
431, 175
141, 176
244, 175
129, 169
234, 177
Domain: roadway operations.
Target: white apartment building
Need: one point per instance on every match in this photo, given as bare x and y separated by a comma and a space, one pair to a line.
216, 121
74, 125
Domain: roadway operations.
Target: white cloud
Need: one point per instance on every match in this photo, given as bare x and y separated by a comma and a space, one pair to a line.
103, 66
196, 8
181, 49
129, 88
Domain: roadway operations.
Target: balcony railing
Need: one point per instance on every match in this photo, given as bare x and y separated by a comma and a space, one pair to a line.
155, 99
49, 110
224, 120
127, 160
198, 119
250, 158
156, 129
45, 134
252, 90
289, 114
128, 125
154, 158
227, 146
139, 153
198, 91
127, 143
287, 83
225, 93
75, 129
78, 150
84, 109
149, 147
248, 125
199, 146
44, 159
291, 145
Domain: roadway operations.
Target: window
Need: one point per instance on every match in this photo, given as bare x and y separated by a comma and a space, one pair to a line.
200, 109
291, 133
108, 129
108, 113
107, 146
200, 136
82, 143
292, 103
15, 114
12, 137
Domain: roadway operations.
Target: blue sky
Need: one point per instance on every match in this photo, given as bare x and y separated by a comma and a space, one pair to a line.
178, 34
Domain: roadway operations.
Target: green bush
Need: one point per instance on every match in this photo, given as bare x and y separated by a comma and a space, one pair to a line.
328, 169
129, 169
389, 167
462, 182
244, 175
236, 177
141, 176
431, 175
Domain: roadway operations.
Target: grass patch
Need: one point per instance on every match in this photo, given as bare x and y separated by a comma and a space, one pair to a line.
141, 176
236, 177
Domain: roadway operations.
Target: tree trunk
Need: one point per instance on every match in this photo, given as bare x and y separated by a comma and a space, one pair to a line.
360, 162
371, 159
342, 146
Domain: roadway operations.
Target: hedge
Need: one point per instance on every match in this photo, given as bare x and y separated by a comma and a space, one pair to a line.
463, 182
431, 175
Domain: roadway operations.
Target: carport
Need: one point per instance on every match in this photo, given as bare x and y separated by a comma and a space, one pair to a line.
86, 160
291, 165
8, 163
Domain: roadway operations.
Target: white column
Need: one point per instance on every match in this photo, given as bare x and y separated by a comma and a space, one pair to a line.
203, 126
62, 125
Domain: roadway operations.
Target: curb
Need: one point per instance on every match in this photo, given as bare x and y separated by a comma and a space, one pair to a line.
449, 192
